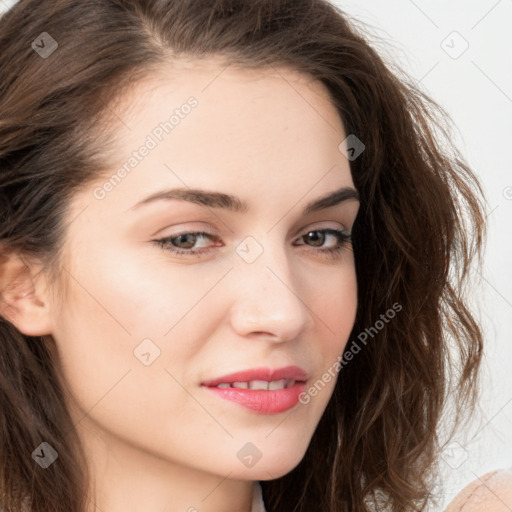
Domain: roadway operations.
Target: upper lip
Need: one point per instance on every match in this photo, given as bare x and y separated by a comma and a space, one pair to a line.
263, 373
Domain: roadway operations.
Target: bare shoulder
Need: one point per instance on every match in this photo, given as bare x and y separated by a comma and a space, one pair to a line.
491, 492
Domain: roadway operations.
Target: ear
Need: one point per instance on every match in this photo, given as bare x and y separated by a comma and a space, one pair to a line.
23, 295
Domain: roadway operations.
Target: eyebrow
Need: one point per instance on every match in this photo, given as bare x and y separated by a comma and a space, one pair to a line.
237, 205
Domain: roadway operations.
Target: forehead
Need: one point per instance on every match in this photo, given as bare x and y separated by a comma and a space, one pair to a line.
241, 104
263, 130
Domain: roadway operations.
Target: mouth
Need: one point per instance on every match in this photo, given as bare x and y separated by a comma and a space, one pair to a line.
264, 390
258, 384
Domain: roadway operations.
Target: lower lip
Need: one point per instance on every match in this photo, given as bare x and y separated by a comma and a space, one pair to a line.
260, 400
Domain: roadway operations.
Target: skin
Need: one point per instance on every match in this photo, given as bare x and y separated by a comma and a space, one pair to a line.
156, 440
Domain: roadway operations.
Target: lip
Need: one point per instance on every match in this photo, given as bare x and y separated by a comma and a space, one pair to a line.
261, 401
262, 373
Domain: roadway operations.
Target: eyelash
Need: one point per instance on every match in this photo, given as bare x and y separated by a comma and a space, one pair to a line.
343, 238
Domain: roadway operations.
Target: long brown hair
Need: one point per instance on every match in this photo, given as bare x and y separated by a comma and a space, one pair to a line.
419, 228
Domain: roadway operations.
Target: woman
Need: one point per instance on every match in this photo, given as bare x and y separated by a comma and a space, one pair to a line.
232, 262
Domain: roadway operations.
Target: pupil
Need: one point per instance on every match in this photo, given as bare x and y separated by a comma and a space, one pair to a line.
313, 236
182, 237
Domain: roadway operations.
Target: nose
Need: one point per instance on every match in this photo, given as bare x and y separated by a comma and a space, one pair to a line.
269, 299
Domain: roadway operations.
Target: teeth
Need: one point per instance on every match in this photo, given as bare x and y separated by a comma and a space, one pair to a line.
277, 384
259, 384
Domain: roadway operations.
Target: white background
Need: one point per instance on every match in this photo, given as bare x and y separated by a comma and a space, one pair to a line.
476, 90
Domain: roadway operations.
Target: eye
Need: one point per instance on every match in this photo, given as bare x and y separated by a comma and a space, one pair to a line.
341, 239
183, 243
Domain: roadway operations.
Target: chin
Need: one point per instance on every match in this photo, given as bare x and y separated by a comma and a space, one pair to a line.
275, 463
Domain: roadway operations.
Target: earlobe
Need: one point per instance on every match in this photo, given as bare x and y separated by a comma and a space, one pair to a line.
23, 299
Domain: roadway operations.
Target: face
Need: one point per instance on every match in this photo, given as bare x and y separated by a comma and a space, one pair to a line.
167, 293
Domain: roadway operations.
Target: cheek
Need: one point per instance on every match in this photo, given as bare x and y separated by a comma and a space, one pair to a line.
112, 323
124, 292
335, 310
335, 306
339, 305
121, 313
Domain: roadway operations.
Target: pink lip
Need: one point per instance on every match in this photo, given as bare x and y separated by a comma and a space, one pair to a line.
262, 401
263, 373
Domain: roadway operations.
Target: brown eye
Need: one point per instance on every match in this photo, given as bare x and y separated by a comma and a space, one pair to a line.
192, 238
183, 243
313, 237
317, 238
